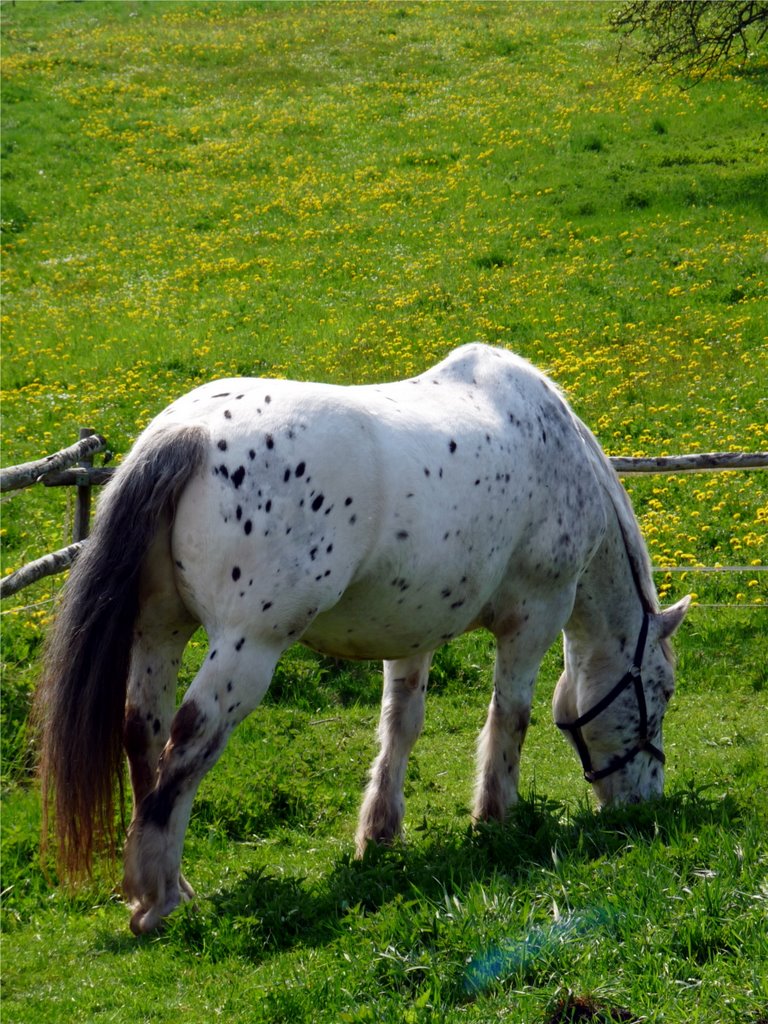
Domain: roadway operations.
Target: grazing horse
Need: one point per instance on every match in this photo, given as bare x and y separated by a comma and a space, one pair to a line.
366, 522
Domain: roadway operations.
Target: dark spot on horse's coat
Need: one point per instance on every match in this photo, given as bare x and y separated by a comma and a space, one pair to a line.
185, 722
286, 476
224, 471
352, 520
247, 526
134, 733
179, 565
236, 573
238, 476
222, 446
239, 513
452, 447
251, 454
227, 414
268, 506
457, 604
212, 747
229, 687
267, 399
426, 472
239, 644
329, 549
223, 394
313, 553
270, 441
300, 469
156, 806
318, 502
347, 501
446, 592
402, 534
266, 605
212, 655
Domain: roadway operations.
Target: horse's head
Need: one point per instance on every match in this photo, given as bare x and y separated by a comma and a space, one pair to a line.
611, 709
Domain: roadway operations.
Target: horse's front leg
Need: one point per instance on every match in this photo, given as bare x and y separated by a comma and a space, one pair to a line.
226, 689
402, 718
519, 650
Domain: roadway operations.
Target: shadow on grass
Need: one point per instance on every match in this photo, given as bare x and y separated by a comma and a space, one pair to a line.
263, 913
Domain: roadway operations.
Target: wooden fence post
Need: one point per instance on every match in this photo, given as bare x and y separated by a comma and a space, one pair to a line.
83, 500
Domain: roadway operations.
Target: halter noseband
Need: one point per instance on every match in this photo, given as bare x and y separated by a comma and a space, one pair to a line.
634, 675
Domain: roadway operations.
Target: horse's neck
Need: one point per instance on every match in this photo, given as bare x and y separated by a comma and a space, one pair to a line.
613, 593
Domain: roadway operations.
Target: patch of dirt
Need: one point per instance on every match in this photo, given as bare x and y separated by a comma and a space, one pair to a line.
588, 1010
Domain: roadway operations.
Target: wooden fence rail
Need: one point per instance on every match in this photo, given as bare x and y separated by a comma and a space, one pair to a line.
55, 471
28, 473
689, 463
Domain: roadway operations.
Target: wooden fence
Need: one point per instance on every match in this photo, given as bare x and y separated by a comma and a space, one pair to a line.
57, 471
73, 466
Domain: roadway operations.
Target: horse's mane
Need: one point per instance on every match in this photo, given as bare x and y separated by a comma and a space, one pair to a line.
637, 551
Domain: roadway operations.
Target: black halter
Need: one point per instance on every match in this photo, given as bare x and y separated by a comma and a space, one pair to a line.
634, 675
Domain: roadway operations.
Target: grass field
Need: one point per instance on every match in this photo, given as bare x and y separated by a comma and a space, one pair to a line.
345, 193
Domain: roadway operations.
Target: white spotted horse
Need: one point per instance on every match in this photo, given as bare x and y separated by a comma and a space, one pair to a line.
365, 522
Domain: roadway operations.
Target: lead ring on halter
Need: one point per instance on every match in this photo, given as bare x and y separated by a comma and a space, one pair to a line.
634, 675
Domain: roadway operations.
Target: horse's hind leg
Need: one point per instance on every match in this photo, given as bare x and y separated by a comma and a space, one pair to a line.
159, 641
402, 718
155, 658
228, 687
162, 629
161, 633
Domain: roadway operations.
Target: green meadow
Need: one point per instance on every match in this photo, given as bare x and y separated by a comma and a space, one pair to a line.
346, 192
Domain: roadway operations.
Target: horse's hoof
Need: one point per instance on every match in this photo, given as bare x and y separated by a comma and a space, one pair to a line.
185, 889
144, 921
137, 918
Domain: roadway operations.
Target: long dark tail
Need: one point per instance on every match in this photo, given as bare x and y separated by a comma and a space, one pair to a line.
80, 699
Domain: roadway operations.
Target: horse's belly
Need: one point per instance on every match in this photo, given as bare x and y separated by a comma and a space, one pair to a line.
374, 634
398, 612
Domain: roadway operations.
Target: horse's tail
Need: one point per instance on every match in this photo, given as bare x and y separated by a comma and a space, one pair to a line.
80, 699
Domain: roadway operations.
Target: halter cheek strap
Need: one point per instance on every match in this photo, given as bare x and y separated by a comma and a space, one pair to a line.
632, 677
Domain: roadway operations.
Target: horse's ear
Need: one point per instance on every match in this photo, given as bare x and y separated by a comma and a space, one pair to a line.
669, 620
